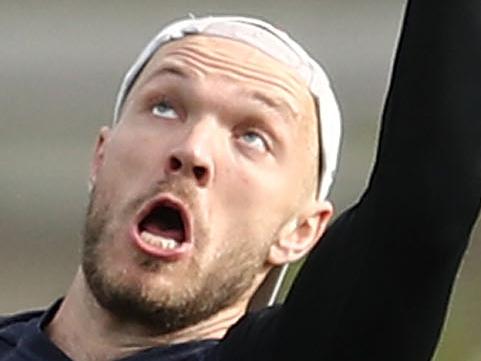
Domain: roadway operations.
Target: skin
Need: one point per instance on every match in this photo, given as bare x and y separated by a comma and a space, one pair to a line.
222, 127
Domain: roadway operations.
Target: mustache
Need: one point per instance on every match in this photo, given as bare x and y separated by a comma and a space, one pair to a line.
181, 188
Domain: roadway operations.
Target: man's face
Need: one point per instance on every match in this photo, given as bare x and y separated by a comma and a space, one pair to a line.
215, 153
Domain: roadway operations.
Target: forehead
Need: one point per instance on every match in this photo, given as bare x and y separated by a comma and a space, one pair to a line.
202, 56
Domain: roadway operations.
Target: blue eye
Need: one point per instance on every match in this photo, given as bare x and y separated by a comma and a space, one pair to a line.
255, 140
164, 110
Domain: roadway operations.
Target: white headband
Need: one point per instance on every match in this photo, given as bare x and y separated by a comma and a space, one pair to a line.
278, 45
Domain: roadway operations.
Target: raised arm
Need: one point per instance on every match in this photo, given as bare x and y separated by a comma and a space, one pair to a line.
378, 285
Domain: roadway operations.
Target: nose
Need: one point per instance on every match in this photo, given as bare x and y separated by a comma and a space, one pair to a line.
192, 156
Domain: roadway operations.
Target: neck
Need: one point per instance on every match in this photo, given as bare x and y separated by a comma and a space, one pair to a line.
85, 331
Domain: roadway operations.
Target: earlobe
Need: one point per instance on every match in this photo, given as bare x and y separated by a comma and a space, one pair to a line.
298, 238
98, 156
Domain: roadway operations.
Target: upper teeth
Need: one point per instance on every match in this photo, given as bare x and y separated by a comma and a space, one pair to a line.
158, 241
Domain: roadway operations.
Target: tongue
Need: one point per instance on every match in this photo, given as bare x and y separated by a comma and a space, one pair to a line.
158, 230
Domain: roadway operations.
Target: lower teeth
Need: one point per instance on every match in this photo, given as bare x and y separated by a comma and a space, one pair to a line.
158, 241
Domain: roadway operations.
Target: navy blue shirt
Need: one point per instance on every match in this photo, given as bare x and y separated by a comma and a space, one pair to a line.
22, 338
377, 286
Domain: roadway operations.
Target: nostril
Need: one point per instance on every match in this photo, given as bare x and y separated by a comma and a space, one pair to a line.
175, 163
199, 172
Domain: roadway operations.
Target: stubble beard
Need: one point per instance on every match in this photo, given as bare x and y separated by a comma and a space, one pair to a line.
163, 311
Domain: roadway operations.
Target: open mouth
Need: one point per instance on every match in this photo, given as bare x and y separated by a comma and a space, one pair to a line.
163, 227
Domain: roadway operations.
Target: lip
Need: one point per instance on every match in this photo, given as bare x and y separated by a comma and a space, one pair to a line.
167, 254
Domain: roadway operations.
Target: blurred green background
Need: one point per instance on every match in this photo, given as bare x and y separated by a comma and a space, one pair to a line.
60, 66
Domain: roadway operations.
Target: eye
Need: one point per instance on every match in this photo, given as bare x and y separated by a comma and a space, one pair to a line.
255, 140
164, 110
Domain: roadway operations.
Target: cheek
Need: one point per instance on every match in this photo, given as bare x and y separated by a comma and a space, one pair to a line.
253, 203
253, 188
131, 158
257, 201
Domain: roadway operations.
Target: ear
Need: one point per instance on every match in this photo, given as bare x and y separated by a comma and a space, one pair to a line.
298, 237
99, 153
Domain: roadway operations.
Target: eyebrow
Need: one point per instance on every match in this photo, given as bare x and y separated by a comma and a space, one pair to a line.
278, 105
166, 69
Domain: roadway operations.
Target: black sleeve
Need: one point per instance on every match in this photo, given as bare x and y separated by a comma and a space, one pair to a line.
378, 284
